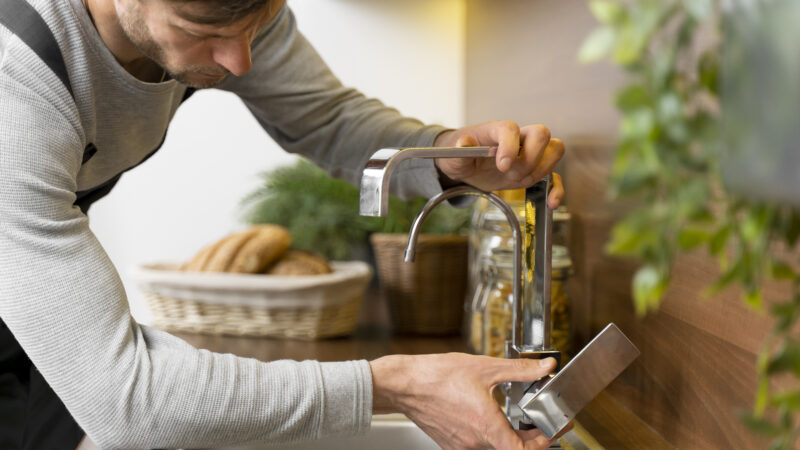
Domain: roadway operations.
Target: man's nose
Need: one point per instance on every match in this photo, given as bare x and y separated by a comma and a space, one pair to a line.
234, 55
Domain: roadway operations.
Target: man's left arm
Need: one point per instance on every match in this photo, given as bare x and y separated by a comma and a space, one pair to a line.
305, 109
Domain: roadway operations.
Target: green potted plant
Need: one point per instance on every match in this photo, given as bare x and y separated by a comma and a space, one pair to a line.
321, 213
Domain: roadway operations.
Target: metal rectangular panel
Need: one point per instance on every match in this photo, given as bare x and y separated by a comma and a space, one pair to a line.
553, 402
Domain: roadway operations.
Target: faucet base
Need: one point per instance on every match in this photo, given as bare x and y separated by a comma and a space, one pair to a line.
515, 391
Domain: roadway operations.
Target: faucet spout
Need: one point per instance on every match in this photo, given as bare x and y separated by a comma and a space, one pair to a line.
374, 198
516, 232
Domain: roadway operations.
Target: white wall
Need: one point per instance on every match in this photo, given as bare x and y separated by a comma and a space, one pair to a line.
408, 53
541, 80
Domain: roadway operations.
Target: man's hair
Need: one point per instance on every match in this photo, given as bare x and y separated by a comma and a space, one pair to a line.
222, 12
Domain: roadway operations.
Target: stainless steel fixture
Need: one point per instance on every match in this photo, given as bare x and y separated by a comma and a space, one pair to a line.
553, 402
528, 405
374, 199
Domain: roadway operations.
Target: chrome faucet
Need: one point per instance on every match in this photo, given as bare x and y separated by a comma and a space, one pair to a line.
530, 334
551, 403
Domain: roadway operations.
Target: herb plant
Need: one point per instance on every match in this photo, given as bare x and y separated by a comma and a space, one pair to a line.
322, 212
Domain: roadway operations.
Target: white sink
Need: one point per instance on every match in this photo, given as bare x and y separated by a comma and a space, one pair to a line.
388, 432
396, 432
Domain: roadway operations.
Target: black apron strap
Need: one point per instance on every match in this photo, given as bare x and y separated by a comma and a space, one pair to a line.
25, 22
20, 17
85, 199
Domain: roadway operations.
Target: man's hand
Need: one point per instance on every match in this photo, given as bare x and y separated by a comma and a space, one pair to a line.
523, 156
450, 397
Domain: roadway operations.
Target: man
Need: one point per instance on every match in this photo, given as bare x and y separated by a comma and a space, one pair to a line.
74, 362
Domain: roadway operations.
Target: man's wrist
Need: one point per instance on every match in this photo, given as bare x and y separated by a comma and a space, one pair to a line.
389, 379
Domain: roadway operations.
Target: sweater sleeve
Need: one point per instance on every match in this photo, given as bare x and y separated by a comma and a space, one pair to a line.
127, 385
306, 109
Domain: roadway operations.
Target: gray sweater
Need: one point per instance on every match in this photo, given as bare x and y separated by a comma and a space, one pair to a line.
126, 384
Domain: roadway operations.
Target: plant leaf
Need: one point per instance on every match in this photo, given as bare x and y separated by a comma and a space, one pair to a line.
698, 10
607, 12
632, 97
708, 68
761, 425
787, 358
649, 285
793, 230
597, 45
782, 271
789, 400
786, 313
718, 240
753, 299
689, 238
735, 272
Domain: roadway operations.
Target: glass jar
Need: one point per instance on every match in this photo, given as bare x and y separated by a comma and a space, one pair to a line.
489, 233
474, 308
499, 303
560, 308
561, 217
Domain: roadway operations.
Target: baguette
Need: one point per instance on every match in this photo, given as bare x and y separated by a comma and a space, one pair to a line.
249, 251
262, 248
299, 262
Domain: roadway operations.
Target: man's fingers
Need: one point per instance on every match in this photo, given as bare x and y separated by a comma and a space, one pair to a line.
507, 135
534, 439
466, 141
556, 192
550, 157
520, 369
500, 435
460, 167
535, 139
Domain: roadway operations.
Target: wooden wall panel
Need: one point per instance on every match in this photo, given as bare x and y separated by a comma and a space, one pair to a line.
698, 354
688, 383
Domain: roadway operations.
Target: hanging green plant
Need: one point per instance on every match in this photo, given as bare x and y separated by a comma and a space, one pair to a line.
668, 160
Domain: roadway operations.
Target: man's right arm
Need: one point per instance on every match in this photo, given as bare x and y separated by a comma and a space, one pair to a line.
128, 386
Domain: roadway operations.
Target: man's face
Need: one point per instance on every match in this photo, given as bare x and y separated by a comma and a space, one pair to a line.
195, 54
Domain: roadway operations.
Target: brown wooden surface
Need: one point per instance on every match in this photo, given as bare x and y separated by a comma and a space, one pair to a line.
613, 426
696, 371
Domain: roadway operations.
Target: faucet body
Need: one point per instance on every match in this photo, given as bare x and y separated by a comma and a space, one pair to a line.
531, 337
552, 402
531, 287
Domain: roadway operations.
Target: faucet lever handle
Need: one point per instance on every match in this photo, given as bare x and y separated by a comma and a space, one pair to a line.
374, 198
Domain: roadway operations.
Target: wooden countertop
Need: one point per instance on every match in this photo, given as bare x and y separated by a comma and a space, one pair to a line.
372, 339
608, 423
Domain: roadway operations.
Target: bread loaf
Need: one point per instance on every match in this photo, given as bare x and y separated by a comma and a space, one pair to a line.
298, 262
249, 251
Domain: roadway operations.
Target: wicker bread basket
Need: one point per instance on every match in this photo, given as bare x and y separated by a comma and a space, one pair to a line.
426, 296
301, 307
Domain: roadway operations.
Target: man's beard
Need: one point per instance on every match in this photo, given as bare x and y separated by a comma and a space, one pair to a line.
137, 32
